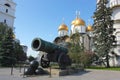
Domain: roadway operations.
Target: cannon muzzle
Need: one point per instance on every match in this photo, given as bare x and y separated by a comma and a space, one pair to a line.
41, 45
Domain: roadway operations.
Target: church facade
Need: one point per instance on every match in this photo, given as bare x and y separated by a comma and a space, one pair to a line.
79, 25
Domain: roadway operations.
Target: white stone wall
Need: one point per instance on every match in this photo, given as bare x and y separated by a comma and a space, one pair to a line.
10, 12
113, 3
11, 9
80, 29
9, 19
11, 2
116, 13
72, 29
62, 32
7, 12
114, 61
117, 32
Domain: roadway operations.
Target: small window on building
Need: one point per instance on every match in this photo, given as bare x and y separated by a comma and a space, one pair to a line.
8, 5
6, 10
5, 21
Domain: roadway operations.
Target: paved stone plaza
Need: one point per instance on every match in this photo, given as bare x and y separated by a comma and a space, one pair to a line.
84, 75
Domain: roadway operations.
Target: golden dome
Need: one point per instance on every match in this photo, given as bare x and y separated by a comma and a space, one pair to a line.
89, 28
73, 22
78, 22
63, 27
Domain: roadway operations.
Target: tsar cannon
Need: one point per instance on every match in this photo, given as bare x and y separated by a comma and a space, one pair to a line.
54, 53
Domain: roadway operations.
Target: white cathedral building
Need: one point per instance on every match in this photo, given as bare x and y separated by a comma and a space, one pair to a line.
115, 5
79, 25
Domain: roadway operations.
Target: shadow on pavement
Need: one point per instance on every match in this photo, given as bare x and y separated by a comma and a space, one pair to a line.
80, 73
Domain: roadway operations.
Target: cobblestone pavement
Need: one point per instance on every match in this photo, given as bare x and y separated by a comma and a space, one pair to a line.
5, 74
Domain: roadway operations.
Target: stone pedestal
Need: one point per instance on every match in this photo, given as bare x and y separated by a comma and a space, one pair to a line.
58, 72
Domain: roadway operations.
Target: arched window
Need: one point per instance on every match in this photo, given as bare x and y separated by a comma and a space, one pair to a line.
8, 5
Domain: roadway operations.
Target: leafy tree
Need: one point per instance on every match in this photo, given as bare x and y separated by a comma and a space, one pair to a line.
7, 48
10, 50
2, 33
3, 30
76, 49
20, 55
103, 30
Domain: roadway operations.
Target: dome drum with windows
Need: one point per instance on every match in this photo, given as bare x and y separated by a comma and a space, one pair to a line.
78, 25
63, 30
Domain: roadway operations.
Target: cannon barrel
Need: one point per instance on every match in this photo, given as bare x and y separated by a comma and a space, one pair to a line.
55, 53
40, 45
